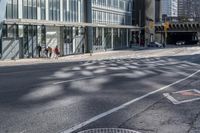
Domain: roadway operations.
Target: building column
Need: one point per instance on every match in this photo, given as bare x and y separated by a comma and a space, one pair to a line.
112, 36
47, 9
127, 36
79, 11
61, 29
39, 12
103, 39
20, 9
88, 19
20, 27
61, 10
74, 39
150, 15
2, 13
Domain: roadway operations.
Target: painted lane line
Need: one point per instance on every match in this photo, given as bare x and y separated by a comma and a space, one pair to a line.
176, 102
70, 130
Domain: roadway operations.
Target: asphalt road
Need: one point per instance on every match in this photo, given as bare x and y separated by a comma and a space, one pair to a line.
53, 98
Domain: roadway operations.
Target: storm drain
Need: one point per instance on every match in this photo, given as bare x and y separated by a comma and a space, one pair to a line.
184, 96
109, 130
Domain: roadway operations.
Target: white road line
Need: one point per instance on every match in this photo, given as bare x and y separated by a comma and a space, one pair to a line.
124, 105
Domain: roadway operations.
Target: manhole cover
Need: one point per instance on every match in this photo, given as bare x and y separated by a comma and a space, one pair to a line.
109, 130
183, 96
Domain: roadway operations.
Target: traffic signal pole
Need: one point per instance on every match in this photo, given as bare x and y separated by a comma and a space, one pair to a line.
166, 27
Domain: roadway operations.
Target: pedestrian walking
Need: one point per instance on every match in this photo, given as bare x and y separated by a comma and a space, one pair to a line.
46, 52
39, 48
56, 52
49, 51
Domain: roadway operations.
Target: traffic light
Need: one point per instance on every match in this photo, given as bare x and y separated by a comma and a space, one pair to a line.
166, 26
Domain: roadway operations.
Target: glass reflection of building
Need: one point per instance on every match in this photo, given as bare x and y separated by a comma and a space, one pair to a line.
72, 25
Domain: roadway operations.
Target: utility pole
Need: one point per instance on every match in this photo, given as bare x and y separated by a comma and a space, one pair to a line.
166, 27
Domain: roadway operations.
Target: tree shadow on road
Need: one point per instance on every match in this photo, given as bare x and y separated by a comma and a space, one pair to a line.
90, 87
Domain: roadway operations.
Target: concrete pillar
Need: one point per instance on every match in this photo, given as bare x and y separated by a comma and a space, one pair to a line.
103, 39
79, 11
47, 9
39, 12
88, 19
2, 13
127, 36
61, 41
150, 15
74, 39
112, 45
20, 9
20, 27
39, 35
61, 10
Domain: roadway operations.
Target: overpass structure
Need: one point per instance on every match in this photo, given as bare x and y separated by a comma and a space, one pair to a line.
178, 29
177, 24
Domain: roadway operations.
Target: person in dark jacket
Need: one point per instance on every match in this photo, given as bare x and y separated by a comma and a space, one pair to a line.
39, 48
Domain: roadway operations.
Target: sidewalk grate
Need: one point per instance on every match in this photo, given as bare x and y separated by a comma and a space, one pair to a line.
184, 96
109, 130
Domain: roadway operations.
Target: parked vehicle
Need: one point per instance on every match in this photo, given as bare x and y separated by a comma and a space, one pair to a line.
179, 43
154, 44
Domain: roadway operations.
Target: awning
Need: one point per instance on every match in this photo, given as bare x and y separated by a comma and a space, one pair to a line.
70, 24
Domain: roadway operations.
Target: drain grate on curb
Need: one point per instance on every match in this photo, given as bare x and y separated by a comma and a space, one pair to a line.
184, 96
109, 130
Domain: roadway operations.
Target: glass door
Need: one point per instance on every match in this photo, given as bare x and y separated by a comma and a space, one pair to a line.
68, 40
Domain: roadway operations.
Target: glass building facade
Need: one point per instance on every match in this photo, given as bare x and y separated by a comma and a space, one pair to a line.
75, 26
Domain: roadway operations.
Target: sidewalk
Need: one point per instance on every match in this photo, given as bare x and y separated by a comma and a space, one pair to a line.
118, 54
70, 58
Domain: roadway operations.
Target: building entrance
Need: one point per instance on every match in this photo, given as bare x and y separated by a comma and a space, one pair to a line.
29, 41
74, 40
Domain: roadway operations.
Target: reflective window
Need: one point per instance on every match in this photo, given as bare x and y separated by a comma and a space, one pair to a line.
73, 10
11, 10
34, 8
12, 31
30, 9
43, 9
15, 8
112, 11
54, 10
25, 9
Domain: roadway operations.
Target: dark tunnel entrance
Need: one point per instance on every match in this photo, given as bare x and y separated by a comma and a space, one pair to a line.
188, 37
